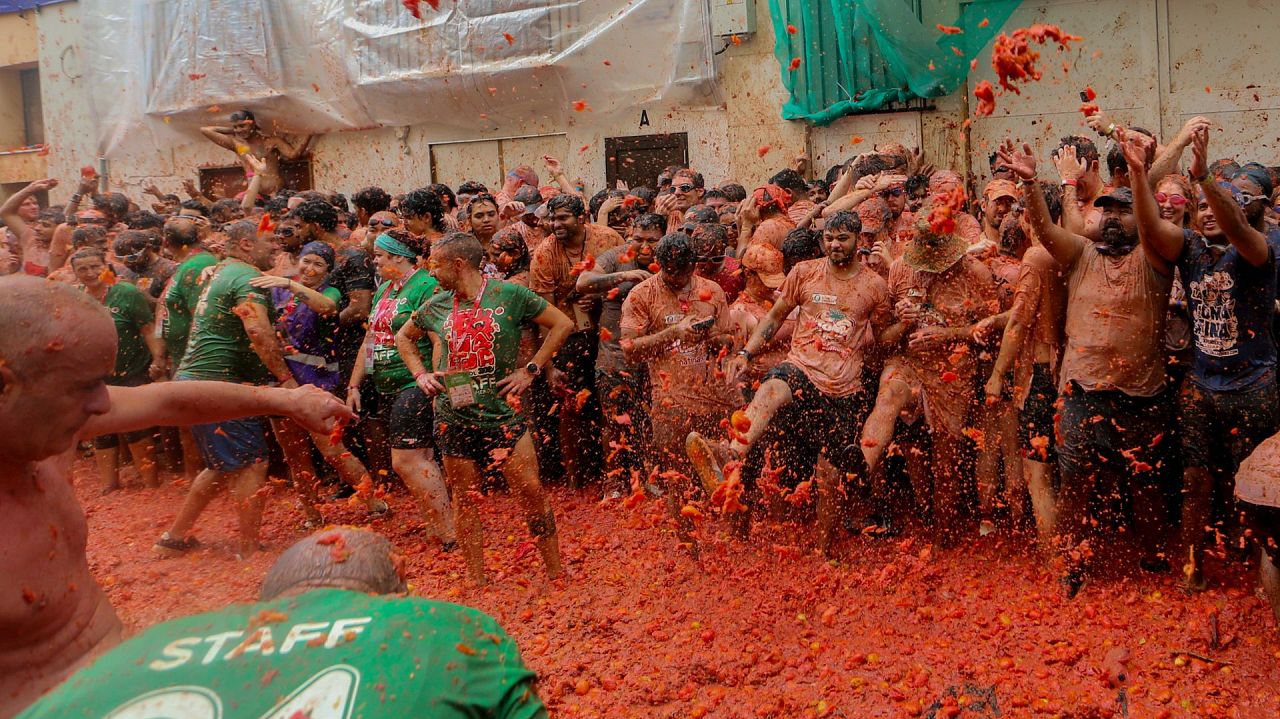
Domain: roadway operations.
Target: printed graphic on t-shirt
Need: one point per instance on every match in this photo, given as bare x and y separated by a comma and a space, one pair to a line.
835, 331
1216, 328
472, 334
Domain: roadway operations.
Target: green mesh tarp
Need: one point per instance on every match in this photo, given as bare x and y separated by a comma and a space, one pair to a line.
860, 55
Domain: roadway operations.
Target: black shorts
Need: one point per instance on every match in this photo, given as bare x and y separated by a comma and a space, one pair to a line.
1111, 431
1035, 419
478, 444
409, 416
1264, 525
816, 422
1212, 422
577, 359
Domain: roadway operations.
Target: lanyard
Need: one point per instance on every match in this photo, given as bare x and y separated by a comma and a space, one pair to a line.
457, 342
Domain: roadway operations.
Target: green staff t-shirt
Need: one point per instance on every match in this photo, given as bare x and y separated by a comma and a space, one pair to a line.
484, 342
393, 305
180, 300
130, 312
325, 654
218, 348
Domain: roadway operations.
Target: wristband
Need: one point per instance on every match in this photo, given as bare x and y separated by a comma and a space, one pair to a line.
1110, 129
76, 197
1201, 180
353, 388
745, 353
418, 374
1070, 183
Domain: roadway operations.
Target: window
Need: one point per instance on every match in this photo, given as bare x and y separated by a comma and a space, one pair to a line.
32, 109
637, 160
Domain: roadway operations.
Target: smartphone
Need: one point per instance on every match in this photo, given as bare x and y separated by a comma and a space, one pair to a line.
703, 325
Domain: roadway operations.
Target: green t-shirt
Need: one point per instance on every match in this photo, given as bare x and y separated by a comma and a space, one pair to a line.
325, 654
180, 300
484, 342
392, 307
218, 348
130, 312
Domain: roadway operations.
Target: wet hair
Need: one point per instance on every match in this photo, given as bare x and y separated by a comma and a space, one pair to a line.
172, 198
242, 115
481, 199
868, 165
528, 196
509, 240
572, 203
822, 185
241, 230
52, 215
401, 235
993, 162
675, 252
143, 220
276, 206
790, 180
131, 241
371, 199
1086, 151
339, 201
113, 204
734, 191
472, 187
916, 184
460, 244
1115, 156
180, 234
646, 194
423, 202
449, 199
650, 221
802, 244
833, 174
844, 220
597, 201
318, 212
694, 176
196, 206
85, 253
1225, 167
669, 172
225, 208
87, 235
703, 215
366, 559
714, 193
709, 237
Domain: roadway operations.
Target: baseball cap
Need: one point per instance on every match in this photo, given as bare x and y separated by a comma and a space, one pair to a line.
765, 261
872, 212
1000, 188
1118, 196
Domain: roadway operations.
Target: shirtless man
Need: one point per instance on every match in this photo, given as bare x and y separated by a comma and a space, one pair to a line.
57, 347
244, 137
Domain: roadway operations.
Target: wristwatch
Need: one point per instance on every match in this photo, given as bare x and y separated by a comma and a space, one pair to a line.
533, 369
743, 352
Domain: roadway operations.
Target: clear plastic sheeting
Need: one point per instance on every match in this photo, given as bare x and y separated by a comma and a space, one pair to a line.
159, 69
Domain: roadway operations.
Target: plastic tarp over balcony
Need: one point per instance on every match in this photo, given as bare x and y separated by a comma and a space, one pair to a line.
161, 68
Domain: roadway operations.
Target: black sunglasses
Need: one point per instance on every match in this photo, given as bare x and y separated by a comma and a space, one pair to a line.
384, 223
285, 231
892, 192
684, 188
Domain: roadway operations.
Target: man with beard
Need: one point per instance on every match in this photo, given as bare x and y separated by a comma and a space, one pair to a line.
813, 403
1116, 404
677, 324
137, 250
244, 137
1229, 397
998, 200
553, 275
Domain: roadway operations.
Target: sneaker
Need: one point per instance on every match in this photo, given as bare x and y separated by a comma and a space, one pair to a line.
167, 546
703, 456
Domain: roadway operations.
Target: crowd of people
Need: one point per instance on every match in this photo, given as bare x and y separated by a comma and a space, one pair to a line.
1067, 357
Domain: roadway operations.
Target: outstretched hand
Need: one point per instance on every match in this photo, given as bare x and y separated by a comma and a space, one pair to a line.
1137, 149
1199, 153
1068, 163
1022, 162
317, 410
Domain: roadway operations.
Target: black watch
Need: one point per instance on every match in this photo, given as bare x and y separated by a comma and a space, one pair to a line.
745, 353
533, 369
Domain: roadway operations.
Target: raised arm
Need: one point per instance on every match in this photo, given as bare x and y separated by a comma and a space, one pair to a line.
255, 183
220, 136
1065, 246
1250, 243
557, 173
1070, 169
9, 211
190, 402
1166, 163
1160, 238
292, 149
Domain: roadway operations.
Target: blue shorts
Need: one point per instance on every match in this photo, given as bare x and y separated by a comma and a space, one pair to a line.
232, 445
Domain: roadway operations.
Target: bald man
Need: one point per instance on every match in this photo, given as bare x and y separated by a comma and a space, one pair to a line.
57, 348
325, 641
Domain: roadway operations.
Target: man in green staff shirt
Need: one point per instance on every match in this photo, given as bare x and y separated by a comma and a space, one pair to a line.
329, 640
474, 326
